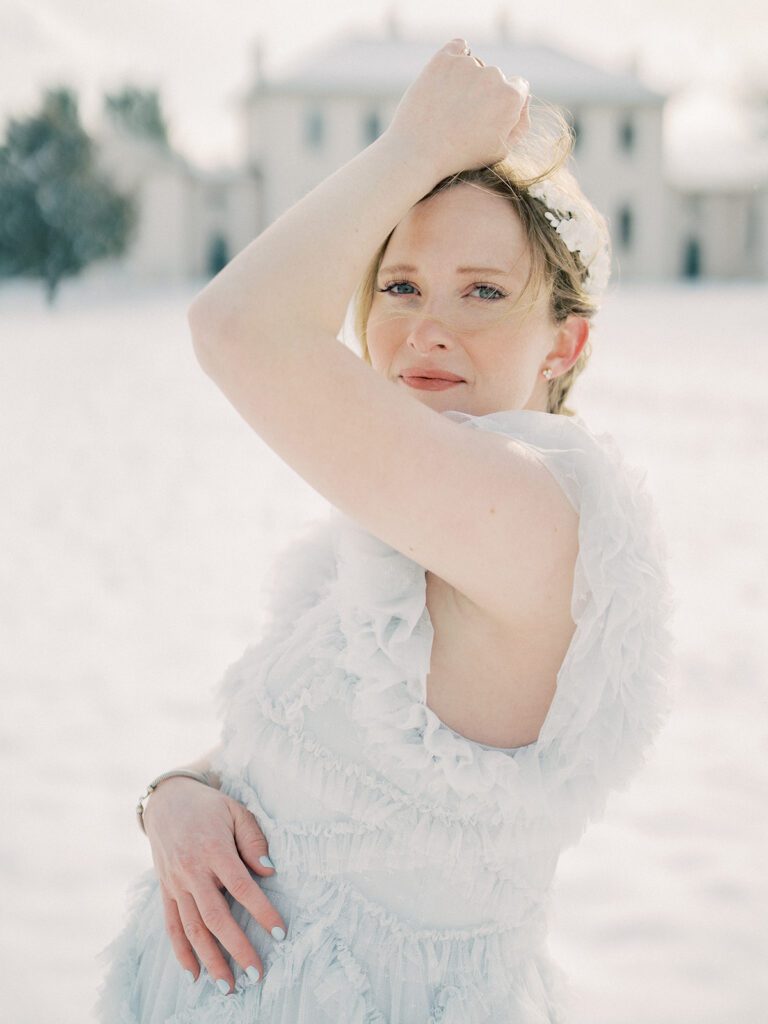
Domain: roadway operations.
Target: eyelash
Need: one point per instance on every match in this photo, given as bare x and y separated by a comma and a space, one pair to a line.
500, 294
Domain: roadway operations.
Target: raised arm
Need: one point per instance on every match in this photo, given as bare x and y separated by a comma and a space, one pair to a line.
470, 506
203, 841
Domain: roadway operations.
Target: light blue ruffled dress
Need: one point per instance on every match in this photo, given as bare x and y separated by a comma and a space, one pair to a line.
414, 865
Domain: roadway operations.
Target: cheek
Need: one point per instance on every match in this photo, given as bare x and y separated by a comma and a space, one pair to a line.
504, 360
382, 344
496, 355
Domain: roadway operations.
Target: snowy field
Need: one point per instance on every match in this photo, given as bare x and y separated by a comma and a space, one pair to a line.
139, 514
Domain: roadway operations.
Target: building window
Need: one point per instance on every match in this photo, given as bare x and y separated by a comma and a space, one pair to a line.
754, 229
372, 128
626, 227
314, 129
692, 258
627, 134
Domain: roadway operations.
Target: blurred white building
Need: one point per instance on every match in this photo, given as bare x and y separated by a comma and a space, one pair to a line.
314, 116
191, 221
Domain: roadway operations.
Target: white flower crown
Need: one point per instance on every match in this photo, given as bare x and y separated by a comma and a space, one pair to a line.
579, 232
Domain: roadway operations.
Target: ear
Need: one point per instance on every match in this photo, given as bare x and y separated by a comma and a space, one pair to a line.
572, 336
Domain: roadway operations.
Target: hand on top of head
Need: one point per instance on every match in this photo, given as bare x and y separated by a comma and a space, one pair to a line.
461, 113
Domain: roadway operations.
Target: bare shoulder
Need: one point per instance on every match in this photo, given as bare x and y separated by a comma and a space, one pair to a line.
532, 529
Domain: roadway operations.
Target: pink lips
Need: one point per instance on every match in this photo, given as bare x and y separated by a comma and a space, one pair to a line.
431, 380
431, 383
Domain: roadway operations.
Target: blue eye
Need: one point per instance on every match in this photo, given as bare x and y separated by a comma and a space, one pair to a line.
490, 287
394, 284
485, 298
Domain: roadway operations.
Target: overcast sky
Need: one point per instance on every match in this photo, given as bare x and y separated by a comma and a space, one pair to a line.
199, 53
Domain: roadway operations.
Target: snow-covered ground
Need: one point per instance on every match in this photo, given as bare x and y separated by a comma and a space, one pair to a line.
138, 516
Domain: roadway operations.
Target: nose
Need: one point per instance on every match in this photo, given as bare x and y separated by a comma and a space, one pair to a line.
427, 334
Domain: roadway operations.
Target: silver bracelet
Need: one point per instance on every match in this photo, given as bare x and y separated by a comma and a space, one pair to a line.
184, 772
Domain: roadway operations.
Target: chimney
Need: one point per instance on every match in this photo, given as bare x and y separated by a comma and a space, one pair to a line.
633, 63
258, 61
503, 26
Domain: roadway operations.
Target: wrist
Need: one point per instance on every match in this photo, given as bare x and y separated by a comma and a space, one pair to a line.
418, 162
188, 774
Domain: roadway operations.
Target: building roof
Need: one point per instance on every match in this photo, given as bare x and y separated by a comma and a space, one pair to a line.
385, 65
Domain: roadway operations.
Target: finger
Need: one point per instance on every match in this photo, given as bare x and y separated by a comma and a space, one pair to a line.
522, 126
204, 944
217, 918
179, 942
250, 841
458, 46
237, 881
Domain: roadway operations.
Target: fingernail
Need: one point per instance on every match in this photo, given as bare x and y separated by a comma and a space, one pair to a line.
253, 973
266, 862
190, 977
222, 986
278, 933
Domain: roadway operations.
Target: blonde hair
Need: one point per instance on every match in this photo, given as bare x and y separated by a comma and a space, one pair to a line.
542, 153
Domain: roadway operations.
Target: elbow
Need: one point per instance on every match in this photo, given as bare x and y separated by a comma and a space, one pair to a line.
206, 331
222, 338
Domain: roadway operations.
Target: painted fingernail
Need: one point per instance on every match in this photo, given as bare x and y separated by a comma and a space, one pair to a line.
266, 862
222, 986
253, 973
278, 933
190, 977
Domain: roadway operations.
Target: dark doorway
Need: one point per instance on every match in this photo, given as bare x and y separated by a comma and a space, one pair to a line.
218, 254
692, 258
626, 227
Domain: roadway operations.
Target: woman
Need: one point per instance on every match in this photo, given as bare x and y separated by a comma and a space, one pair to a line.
463, 661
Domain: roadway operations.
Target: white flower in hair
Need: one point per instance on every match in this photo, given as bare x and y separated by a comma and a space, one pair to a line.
579, 232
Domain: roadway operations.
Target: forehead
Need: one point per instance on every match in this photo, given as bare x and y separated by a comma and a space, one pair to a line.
465, 221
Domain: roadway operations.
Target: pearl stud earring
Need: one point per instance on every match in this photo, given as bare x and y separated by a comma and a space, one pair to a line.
547, 373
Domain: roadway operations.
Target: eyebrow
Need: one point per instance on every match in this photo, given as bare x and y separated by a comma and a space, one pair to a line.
406, 268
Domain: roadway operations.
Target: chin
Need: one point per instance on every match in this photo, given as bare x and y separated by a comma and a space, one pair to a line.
452, 398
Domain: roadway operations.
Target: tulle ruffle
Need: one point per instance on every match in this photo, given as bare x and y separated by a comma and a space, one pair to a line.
381, 596
369, 828
345, 959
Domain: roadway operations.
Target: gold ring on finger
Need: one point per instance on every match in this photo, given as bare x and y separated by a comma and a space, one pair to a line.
468, 53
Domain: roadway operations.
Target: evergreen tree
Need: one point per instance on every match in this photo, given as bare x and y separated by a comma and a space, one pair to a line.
57, 212
139, 111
